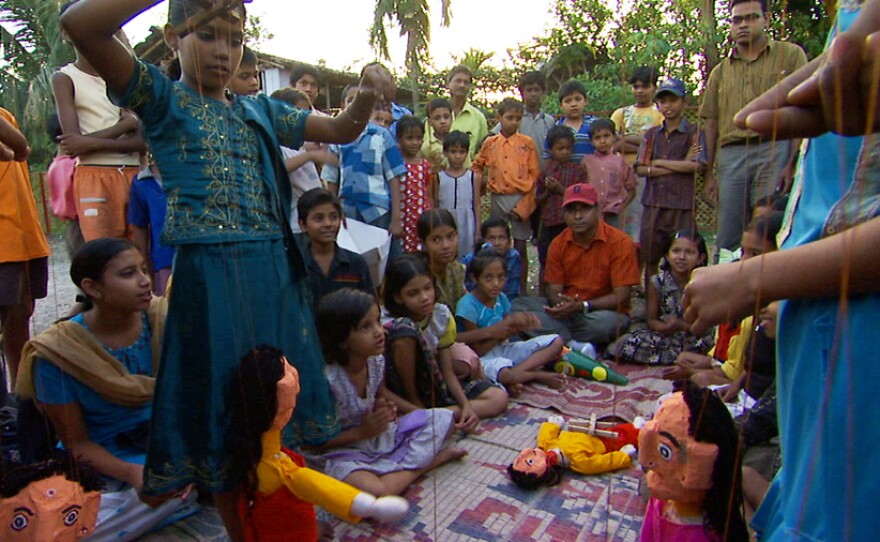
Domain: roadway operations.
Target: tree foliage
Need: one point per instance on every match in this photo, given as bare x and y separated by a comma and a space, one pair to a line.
600, 42
32, 48
413, 19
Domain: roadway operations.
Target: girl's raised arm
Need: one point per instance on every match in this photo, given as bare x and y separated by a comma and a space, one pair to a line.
92, 26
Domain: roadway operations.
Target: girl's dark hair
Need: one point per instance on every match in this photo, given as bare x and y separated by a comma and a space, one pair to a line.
181, 10
767, 226
434, 218
399, 272
456, 138
91, 259
482, 260
686, 234
710, 422
558, 132
409, 123
339, 313
523, 480
254, 406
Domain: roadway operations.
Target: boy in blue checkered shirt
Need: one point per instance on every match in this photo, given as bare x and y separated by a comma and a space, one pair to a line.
367, 179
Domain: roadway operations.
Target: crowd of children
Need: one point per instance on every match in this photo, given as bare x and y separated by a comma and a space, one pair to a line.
250, 221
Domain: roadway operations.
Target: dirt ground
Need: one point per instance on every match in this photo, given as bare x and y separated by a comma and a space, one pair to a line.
61, 291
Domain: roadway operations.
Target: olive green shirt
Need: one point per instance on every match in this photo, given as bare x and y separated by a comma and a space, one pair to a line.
735, 82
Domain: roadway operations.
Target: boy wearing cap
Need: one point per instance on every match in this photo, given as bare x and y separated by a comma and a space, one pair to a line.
669, 158
590, 270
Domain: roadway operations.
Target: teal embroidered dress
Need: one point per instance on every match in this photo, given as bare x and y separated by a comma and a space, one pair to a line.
236, 284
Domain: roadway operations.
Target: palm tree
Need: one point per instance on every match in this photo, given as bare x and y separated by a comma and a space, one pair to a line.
413, 19
32, 48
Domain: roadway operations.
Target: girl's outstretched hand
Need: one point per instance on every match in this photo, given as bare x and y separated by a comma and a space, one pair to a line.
375, 82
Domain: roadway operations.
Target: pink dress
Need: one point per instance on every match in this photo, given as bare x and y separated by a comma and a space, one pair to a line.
414, 201
660, 527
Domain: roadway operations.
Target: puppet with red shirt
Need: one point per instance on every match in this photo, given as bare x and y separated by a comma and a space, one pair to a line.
689, 451
580, 452
280, 490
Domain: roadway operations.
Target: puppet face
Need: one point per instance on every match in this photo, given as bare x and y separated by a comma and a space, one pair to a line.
679, 467
287, 390
54, 509
531, 461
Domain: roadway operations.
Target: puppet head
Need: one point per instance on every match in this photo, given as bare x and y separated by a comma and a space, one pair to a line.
53, 500
533, 468
263, 397
690, 450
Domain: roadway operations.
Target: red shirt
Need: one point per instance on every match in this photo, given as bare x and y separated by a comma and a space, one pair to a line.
593, 271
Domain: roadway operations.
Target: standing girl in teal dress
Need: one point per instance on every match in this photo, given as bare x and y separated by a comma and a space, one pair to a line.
238, 282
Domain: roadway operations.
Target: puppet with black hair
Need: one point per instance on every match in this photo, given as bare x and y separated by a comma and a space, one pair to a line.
580, 452
690, 451
55, 500
280, 488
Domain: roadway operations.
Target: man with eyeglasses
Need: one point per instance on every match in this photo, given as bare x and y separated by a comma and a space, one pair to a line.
743, 167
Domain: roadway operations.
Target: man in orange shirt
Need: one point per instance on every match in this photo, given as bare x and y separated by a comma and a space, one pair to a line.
591, 267
24, 256
512, 159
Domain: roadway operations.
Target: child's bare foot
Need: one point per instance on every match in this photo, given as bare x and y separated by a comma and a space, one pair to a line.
447, 455
514, 389
555, 381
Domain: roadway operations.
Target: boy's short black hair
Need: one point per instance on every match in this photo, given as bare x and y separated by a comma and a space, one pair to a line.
461, 68
456, 138
408, 123
439, 103
248, 57
314, 197
534, 77
302, 69
494, 223
762, 2
645, 75
559, 132
509, 104
290, 95
572, 86
602, 124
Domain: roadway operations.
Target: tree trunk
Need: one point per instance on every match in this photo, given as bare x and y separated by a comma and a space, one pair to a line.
413, 71
710, 47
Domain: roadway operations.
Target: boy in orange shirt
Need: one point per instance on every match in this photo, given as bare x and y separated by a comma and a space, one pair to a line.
512, 159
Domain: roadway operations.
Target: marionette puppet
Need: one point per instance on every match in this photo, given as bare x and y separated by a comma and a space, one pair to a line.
280, 488
609, 448
55, 500
689, 451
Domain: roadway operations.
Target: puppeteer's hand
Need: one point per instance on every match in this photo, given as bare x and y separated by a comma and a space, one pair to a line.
835, 92
721, 293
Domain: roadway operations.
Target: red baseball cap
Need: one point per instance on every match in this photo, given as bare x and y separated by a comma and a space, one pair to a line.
581, 192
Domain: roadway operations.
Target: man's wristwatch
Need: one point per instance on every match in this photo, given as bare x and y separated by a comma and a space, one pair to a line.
587, 307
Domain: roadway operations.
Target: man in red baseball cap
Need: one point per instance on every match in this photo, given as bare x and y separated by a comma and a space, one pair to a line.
591, 268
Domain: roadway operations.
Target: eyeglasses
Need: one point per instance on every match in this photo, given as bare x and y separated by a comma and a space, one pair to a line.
748, 18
